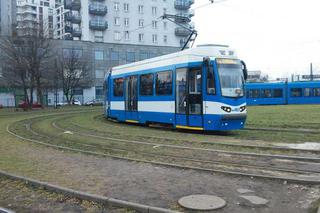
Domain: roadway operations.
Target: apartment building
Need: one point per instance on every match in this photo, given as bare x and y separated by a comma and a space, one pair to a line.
127, 21
45, 16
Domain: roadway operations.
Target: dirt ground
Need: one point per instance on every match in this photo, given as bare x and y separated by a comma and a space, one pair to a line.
149, 184
17, 196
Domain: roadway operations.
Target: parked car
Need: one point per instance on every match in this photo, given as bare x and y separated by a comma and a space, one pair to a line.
24, 105
94, 102
74, 102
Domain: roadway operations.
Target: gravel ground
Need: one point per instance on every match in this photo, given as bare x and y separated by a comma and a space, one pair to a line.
18, 197
153, 185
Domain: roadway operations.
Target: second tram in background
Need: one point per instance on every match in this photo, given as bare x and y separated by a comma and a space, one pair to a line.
200, 88
303, 92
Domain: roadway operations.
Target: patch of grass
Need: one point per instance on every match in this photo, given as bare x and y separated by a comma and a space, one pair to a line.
284, 116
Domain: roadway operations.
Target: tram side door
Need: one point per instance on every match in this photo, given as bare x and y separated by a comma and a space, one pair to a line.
131, 98
189, 97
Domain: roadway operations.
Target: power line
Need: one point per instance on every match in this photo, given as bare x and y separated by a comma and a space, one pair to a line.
208, 4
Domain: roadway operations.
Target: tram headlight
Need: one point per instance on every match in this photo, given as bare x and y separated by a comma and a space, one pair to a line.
226, 109
243, 108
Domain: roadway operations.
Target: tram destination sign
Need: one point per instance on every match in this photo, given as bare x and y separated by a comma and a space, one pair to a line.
309, 76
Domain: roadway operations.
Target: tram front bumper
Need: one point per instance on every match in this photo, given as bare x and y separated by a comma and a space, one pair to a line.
225, 122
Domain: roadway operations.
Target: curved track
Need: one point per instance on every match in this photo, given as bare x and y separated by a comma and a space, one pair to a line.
62, 135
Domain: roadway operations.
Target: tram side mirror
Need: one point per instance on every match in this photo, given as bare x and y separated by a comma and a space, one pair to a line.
244, 70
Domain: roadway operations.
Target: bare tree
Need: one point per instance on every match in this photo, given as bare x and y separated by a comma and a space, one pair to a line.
15, 71
26, 57
73, 72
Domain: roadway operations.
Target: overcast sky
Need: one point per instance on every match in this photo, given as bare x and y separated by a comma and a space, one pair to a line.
278, 37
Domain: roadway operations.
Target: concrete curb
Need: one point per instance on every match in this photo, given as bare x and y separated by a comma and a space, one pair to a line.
86, 196
3, 210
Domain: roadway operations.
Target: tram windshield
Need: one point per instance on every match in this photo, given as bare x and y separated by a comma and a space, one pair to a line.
231, 78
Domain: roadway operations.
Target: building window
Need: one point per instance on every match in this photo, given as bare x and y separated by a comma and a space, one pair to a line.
164, 83
154, 38
165, 25
99, 92
99, 74
164, 11
126, 35
98, 55
141, 37
140, 9
117, 36
154, 11
126, 22
146, 84
296, 92
118, 87
143, 55
114, 55
126, 7
116, 21
154, 24
130, 57
141, 22
98, 38
72, 53
165, 39
116, 6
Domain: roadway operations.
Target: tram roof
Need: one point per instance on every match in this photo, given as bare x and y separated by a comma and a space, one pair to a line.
186, 56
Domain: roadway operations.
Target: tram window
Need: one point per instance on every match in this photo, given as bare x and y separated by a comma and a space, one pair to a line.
146, 84
118, 87
266, 93
254, 93
211, 87
277, 93
296, 92
195, 79
164, 83
316, 91
307, 92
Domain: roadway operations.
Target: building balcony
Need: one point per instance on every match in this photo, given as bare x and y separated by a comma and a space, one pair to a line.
27, 11
99, 10
98, 25
72, 4
76, 19
68, 29
76, 32
180, 31
183, 4
184, 17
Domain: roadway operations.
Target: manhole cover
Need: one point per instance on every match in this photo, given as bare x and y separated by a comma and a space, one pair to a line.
202, 202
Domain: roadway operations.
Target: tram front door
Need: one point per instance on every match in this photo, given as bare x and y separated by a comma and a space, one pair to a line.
189, 98
131, 99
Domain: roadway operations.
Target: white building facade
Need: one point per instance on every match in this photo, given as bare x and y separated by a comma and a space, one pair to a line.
7, 17
128, 21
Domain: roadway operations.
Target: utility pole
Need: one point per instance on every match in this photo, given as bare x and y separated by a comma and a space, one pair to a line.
311, 72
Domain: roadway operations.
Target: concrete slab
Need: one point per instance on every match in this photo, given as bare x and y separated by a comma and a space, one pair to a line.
255, 200
244, 191
202, 202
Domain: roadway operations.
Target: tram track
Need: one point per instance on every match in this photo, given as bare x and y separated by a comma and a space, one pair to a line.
98, 134
308, 176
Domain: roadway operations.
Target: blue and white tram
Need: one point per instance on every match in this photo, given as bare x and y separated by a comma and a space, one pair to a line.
200, 88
